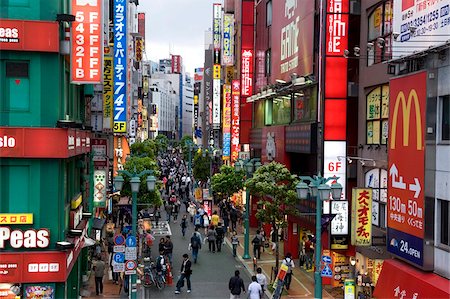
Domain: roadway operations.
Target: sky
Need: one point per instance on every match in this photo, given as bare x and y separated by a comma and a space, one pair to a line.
177, 27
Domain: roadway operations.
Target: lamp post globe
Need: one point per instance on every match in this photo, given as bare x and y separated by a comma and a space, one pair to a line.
151, 182
118, 182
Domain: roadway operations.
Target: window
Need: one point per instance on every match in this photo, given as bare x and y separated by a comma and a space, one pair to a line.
377, 115
268, 61
445, 118
269, 13
379, 37
377, 180
443, 208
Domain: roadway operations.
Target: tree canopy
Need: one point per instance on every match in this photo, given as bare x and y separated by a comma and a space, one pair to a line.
201, 166
228, 181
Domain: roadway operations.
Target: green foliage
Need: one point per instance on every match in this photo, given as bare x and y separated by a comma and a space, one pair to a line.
162, 142
147, 148
275, 185
201, 167
137, 165
184, 143
228, 181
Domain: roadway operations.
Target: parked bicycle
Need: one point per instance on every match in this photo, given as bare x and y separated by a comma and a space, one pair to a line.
151, 276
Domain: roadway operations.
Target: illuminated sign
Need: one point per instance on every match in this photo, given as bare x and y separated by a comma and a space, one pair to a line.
226, 124
22, 218
87, 41
362, 217
228, 40
217, 15
27, 239
22, 35
216, 71
247, 73
216, 102
335, 167
406, 217
339, 224
108, 93
235, 114
120, 66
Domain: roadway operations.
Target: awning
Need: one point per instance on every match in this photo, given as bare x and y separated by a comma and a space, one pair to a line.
97, 223
399, 280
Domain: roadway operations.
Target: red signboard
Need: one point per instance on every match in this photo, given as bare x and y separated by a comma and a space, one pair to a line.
235, 119
292, 39
406, 154
336, 119
176, 64
141, 24
87, 42
247, 73
20, 35
43, 142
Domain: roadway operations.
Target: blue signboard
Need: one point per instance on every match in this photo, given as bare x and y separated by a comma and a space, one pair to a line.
119, 240
405, 246
119, 257
326, 259
226, 144
120, 66
326, 271
131, 241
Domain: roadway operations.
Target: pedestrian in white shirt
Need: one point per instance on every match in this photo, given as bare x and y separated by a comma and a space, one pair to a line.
261, 278
254, 289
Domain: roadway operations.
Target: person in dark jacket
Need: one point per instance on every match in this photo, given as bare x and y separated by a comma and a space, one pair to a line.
185, 274
220, 236
236, 285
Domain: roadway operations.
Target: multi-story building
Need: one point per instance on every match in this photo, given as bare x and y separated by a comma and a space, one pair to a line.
165, 101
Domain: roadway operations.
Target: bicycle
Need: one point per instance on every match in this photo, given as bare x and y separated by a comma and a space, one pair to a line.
151, 276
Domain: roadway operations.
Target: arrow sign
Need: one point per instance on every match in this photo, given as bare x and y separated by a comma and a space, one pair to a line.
393, 173
415, 187
131, 241
326, 259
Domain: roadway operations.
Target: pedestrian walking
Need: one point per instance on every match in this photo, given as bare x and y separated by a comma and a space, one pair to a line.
254, 289
257, 243
261, 278
198, 220
273, 239
175, 210
236, 286
185, 274
215, 219
309, 251
183, 225
212, 237
234, 242
99, 272
233, 218
220, 231
191, 211
206, 222
168, 209
289, 262
168, 249
161, 245
195, 245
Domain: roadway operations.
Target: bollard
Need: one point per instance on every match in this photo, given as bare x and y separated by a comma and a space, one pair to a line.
255, 264
169, 276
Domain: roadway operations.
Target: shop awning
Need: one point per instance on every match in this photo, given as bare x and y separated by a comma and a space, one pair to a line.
399, 280
98, 223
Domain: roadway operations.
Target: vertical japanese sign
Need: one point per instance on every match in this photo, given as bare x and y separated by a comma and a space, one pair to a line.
405, 219
217, 16
216, 102
176, 64
228, 40
197, 86
362, 217
87, 42
235, 116
226, 123
120, 66
335, 105
108, 93
100, 187
247, 72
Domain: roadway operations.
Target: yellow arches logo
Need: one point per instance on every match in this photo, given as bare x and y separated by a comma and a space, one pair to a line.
406, 110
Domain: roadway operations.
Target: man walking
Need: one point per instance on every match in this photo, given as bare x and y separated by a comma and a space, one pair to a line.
99, 271
220, 236
289, 262
183, 225
185, 274
168, 249
195, 245
254, 289
257, 243
236, 286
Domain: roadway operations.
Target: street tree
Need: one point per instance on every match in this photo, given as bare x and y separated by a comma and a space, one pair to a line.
228, 181
201, 166
162, 143
274, 184
147, 148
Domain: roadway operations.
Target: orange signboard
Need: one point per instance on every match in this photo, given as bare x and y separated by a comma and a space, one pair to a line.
87, 41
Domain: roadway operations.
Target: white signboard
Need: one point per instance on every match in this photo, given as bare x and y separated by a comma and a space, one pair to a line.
131, 253
339, 224
99, 187
420, 25
216, 102
334, 167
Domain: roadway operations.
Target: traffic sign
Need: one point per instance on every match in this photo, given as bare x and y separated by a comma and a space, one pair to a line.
326, 271
119, 257
130, 265
326, 259
131, 241
118, 267
119, 240
130, 253
119, 248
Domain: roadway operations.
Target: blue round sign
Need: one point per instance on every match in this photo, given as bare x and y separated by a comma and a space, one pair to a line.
131, 241
119, 240
119, 257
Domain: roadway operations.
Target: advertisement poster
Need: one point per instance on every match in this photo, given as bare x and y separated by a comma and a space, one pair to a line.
405, 218
228, 40
40, 292
279, 282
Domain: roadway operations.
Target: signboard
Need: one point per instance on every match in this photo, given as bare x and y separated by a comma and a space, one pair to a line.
130, 267
326, 261
235, 120
431, 22
292, 39
43, 142
406, 215
87, 42
228, 40
100, 187
339, 224
198, 75
207, 205
20, 35
279, 282
334, 167
120, 66
176, 64
12, 218
24, 239
247, 73
349, 289
40, 291
362, 215
217, 16
226, 124
216, 102
99, 152
108, 94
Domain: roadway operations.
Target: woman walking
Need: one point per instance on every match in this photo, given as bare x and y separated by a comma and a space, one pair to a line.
212, 236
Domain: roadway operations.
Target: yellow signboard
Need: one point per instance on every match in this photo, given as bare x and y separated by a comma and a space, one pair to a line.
216, 71
108, 92
362, 214
76, 202
22, 218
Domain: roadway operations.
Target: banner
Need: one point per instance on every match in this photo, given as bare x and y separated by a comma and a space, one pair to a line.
362, 217
120, 66
216, 103
108, 93
228, 40
247, 73
226, 123
87, 42
235, 114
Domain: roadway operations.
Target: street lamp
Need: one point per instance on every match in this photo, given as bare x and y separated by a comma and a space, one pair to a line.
135, 182
321, 191
250, 166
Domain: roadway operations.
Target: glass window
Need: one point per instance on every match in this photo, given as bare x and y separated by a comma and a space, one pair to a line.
268, 104
377, 115
281, 110
445, 118
269, 13
379, 33
259, 114
444, 222
305, 104
377, 180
